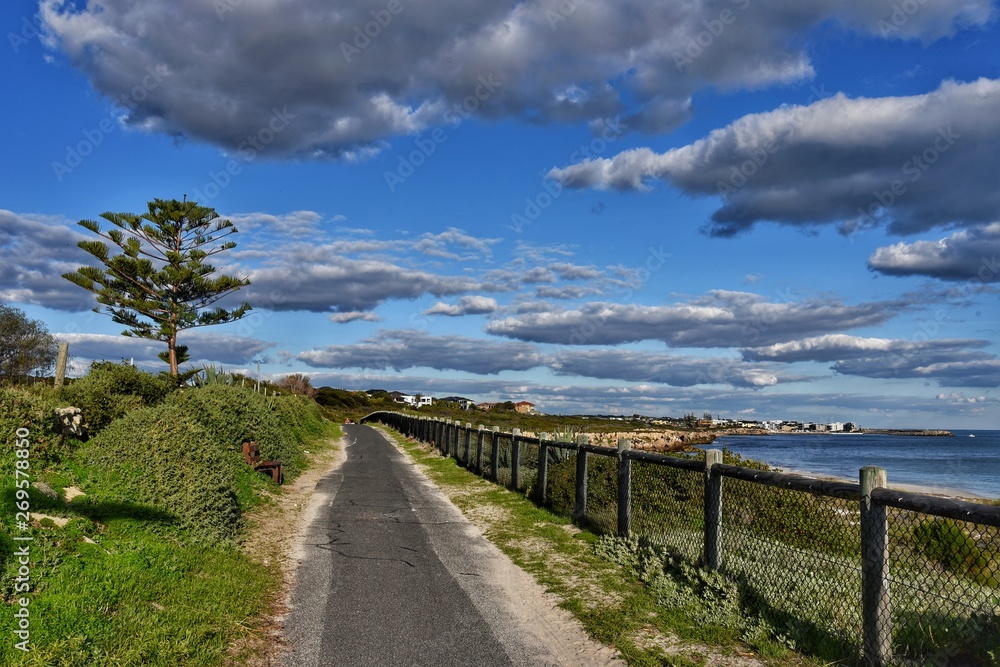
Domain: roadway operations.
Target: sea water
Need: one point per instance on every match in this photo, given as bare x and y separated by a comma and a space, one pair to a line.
970, 465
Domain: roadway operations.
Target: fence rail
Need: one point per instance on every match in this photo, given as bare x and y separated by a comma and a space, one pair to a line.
856, 572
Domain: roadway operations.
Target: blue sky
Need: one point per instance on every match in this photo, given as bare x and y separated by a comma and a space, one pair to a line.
762, 210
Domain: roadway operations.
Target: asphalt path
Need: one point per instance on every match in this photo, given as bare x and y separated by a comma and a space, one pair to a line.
393, 574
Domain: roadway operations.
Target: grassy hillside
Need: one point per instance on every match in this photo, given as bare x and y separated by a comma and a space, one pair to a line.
144, 568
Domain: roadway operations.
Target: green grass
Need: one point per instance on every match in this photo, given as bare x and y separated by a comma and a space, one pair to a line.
613, 602
135, 599
130, 579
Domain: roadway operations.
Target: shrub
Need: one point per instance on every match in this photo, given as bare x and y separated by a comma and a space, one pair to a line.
302, 416
946, 543
111, 390
163, 458
232, 413
34, 410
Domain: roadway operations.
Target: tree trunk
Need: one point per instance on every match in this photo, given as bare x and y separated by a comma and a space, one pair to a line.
172, 354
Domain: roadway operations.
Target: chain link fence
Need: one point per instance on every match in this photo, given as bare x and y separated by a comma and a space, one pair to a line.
851, 573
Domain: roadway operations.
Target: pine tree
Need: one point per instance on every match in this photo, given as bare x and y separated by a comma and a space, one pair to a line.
157, 282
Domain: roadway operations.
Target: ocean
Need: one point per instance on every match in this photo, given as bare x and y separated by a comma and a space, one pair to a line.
959, 464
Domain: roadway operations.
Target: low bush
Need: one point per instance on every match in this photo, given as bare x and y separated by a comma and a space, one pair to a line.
162, 458
32, 409
946, 543
232, 413
109, 391
301, 415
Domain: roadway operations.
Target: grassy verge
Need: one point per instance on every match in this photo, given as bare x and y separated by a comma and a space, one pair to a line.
608, 594
127, 572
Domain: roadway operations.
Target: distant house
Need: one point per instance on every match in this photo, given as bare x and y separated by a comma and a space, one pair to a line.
525, 408
400, 397
463, 403
407, 399
485, 406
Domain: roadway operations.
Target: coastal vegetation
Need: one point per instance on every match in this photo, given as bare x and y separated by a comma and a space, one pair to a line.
157, 282
137, 523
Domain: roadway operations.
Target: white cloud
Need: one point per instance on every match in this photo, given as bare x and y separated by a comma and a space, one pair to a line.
913, 163
467, 305
354, 316
203, 347
412, 349
35, 251
719, 319
968, 255
226, 69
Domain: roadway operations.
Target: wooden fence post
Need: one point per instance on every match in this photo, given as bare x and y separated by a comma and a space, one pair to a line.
624, 489
543, 467
61, 364
580, 508
495, 455
713, 511
468, 443
515, 458
875, 605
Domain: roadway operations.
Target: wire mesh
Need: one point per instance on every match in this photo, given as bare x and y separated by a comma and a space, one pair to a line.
528, 472
602, 493
668, 507
503, 460
462, 448
945, 590
797, 560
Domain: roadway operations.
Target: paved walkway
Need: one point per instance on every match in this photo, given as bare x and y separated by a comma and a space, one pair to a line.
393, 574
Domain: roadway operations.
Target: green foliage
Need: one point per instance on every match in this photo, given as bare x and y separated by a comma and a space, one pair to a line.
26, 346
232, 413
157, 283
707, 597
209, 374
162, 457
111, 390
301, 415
33, 409
342, 399
946, 543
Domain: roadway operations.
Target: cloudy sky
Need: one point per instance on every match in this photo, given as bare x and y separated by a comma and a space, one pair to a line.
762, 209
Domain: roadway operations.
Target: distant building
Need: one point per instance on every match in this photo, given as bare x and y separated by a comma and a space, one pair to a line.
525, 408
463, 403
407, 399
485, 406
